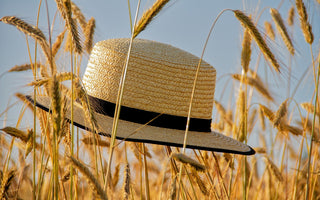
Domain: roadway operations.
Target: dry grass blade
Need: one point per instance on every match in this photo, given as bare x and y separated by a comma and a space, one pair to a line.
282, 29
148, 16
15, 133
89, 32
291, 16
305, 26
256, 84
248, 24
89, 141
7, 179
269, 30
281, 112
189, 161
246, 51
25, 67
57, 44
66, 13
91, 179
126, 182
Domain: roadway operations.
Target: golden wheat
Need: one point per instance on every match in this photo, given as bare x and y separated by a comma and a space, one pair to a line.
25, 67
78, 16
89, 32
282, 29
90, 177
248, 24
256, 84
269, 30
291, 16
57, 44
126, 182
305, 26
281, 112
246, 51
189, 161
64, 8
148, 16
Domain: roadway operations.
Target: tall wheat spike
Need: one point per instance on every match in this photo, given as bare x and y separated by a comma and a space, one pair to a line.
246, 51
291, 16
148, 16
248, 24
30, 30
91, 179
64, 7
256, 84
282, 29
305, 26
269, 30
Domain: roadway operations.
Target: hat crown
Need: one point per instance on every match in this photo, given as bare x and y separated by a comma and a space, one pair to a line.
159, 77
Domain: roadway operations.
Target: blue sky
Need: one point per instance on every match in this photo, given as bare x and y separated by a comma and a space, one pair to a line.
184, 24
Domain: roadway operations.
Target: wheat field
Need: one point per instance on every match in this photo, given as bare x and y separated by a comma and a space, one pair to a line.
269, 105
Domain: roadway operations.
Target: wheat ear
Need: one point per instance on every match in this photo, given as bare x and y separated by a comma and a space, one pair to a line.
148, 16
305, 26
91, 179
248, 24
282, 29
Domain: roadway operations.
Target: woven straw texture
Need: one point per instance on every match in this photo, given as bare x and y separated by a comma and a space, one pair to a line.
159, 77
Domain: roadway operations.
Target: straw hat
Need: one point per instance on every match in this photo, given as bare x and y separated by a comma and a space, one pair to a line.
158, 84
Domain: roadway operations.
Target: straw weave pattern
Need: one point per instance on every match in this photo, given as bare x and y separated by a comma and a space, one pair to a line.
159, 77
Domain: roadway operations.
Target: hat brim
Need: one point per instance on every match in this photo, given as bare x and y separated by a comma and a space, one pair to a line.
129, 131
